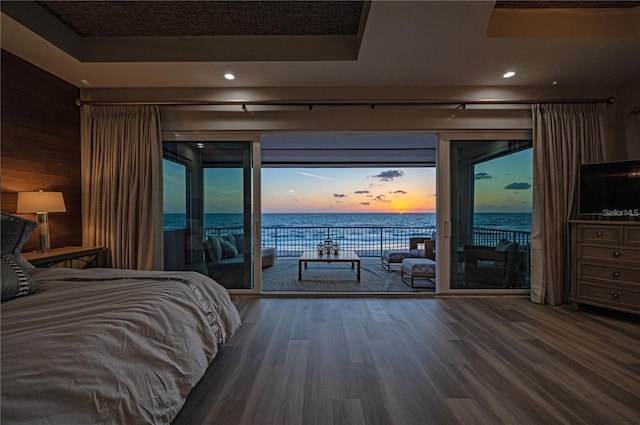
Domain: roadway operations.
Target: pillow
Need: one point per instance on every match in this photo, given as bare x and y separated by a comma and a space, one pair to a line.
506, 246
230, 239
228, 250
15, 281
212, 249
25, 264
15, 232
239, 242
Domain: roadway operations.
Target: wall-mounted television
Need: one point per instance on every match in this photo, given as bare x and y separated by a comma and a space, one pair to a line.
610, 190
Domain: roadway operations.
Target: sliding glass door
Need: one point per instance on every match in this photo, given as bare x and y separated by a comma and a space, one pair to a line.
208, 189
486, 215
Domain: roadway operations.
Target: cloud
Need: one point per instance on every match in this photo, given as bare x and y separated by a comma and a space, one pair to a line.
389, 175
361, 192
518, 186
312, 175
339, 195
365, 203
482, 176
380, 198
399, 192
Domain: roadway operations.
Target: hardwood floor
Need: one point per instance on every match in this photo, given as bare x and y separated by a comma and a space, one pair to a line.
421, 361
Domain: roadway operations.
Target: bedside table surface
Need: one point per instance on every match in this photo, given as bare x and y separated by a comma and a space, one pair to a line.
60, 254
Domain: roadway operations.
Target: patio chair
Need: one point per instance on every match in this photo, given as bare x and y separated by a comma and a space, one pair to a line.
494, 266
393, 258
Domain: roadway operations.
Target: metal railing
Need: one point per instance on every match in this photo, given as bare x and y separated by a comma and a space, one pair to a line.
490, 237
366, 241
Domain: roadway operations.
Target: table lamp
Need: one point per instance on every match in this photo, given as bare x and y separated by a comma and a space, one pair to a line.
41, 203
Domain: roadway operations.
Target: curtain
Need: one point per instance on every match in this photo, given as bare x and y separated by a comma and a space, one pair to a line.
564, 136
122, 184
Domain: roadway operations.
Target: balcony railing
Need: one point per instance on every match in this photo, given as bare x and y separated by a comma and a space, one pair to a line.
365, 241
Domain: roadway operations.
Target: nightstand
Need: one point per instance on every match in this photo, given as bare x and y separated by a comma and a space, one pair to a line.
78, 257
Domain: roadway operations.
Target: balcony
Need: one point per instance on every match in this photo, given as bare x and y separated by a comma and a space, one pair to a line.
368, 242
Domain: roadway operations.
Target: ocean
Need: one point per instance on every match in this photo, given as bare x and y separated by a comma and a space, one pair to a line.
503, 221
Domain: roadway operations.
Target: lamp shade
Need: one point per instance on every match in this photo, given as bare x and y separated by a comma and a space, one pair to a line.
40, 202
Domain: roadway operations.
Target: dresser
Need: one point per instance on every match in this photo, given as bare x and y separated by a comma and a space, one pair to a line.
605, 264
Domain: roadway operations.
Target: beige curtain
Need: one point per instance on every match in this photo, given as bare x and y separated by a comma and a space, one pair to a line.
564, 136
122, 184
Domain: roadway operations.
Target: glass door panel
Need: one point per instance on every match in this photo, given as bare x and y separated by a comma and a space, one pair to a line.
490, 213
175, 212
218, 215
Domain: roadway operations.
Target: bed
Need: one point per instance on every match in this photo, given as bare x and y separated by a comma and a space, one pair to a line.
106, 346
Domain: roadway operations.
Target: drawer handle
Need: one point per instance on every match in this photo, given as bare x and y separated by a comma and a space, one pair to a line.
616, 254
599, 234
616, 274
615, 295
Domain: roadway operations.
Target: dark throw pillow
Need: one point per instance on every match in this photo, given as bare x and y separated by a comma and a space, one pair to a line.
239, 242
504, 245
15, 281
217, 249
212, 249
15, 232
228, 250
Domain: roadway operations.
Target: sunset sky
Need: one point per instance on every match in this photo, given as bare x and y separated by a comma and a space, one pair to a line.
367, 190
501, 185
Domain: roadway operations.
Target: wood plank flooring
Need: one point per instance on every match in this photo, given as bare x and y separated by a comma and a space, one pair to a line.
421, 361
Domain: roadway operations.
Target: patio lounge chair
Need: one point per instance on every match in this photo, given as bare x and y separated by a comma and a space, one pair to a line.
498, 266
391, 258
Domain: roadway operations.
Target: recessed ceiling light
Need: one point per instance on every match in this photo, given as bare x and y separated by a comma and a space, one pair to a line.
85, 82
508, 74
229, 76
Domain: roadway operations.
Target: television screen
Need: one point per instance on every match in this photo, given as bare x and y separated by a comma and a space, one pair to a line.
610, 190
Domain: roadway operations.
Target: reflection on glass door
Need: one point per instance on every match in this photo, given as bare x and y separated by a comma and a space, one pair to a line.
217, 211
175, 195
490, 210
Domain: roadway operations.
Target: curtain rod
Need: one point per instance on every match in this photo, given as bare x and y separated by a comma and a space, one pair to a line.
459, 104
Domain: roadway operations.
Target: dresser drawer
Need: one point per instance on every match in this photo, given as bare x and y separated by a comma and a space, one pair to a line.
609, 254
632, 235
608, 295
608, 273
600, 233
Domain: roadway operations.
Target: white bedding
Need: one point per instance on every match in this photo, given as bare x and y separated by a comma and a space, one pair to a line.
109, 346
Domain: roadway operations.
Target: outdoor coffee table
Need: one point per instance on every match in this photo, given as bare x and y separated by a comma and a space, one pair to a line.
312, 256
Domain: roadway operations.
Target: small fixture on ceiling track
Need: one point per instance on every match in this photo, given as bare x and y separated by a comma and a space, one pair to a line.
508, 74
229, 76
200, 145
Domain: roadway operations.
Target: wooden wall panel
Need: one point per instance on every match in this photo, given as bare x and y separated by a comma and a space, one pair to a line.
40, 144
